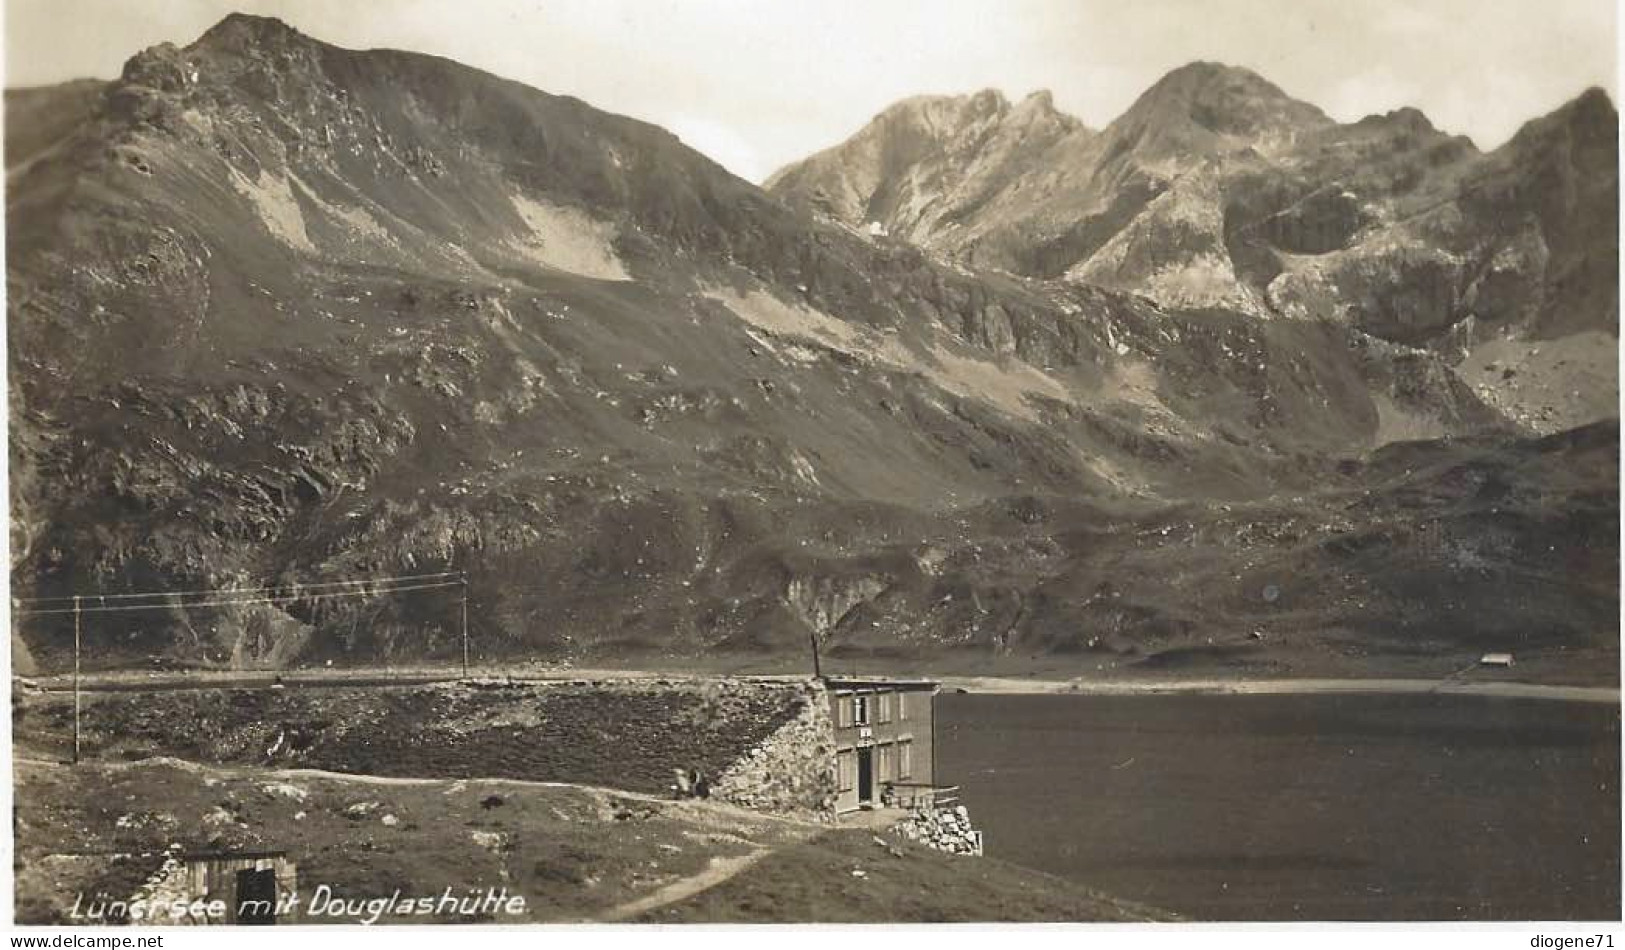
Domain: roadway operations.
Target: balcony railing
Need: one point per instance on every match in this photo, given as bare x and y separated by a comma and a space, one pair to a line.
914, 795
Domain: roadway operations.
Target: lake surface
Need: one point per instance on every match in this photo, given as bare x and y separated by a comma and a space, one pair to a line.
1306, 807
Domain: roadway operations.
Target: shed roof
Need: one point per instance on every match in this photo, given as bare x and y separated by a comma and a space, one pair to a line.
223, 855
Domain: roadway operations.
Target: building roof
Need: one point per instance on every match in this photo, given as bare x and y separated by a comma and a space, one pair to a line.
224, 855
881, 682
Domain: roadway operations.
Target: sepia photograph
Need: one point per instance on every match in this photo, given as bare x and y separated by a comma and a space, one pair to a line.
712, 462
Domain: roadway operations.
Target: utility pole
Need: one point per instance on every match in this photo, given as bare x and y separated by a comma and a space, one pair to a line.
75, 679
464, 580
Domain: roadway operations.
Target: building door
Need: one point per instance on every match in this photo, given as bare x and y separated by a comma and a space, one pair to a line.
256, 897
866, 776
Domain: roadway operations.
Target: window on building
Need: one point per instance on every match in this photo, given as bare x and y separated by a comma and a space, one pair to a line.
860, 710
905, 759
902, 706
846, 770
886, 700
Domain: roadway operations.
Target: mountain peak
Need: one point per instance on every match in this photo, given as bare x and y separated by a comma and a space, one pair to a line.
926, 156
938, 109
239, 38
1592, 105
1225, 100
1039, 102
989, 100
1037, 115
239, 31
1407, 118
1200, 75
1589, 117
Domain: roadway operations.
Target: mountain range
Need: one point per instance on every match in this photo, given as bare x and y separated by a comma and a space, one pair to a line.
1217, 190
1223, 384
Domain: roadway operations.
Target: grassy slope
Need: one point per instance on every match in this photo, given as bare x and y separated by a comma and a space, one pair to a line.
575, 853
572, 852
816, 881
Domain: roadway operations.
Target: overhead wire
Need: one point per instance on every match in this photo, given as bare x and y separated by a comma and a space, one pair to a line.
263, 588
234, 602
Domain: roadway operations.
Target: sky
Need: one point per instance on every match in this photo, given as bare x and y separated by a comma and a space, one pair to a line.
757, 84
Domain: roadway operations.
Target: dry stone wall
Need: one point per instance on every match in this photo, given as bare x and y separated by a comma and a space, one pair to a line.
627, 734
792, 770
167, 887
945, 828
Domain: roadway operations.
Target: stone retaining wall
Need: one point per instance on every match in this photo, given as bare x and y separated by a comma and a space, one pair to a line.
167, 887
944, 828
631, 734
792, 770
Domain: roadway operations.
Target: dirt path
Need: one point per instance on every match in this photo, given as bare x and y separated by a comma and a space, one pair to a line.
717, 871
719, 814
347, 777
364, 779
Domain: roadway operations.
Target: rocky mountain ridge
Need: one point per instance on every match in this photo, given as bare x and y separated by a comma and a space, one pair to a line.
1216, 189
